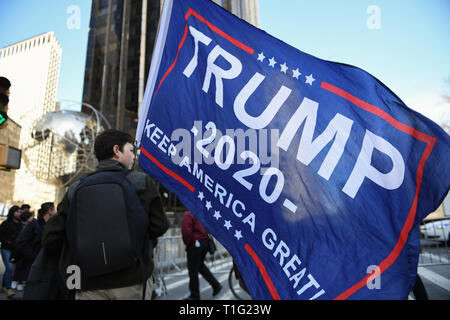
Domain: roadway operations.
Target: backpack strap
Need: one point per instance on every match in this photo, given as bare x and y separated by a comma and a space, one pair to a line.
71, 190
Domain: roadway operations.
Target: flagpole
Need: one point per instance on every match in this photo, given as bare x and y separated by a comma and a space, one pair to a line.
142, 54
154, 66
106, 61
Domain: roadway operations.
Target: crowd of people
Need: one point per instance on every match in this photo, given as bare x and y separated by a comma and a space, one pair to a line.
20, 238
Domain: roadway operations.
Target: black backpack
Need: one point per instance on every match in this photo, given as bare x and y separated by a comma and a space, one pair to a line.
106, 224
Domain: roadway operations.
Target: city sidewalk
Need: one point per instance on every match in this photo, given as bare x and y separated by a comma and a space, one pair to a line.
18, 294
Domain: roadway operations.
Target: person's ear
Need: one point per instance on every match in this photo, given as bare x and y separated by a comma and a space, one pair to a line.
116, 150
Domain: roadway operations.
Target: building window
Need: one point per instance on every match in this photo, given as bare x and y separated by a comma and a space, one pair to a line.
103, 4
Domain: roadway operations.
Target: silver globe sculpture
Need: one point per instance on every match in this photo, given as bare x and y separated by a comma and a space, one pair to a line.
68, 138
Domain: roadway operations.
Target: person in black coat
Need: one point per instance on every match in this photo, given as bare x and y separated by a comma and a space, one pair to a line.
9, 231
28, 242
21, 266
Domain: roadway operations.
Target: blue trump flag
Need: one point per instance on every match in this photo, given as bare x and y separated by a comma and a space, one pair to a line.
311, 173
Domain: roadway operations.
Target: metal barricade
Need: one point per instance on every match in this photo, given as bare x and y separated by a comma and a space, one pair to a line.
170, 258
434, 242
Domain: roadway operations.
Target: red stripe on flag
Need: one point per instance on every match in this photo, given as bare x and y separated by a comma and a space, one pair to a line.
263, 272
180, 45
167, 170
213, 28
219, 31
429, 140
378, 112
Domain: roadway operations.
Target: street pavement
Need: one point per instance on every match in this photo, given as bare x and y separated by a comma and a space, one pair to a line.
436, 280
434, 269
177, 284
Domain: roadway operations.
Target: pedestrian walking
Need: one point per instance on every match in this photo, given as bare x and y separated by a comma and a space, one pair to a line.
28, 242
9, 230
110, 209
195, 238
20, 267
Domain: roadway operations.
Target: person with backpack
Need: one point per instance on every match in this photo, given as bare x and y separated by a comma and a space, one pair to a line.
107, 225
9, 230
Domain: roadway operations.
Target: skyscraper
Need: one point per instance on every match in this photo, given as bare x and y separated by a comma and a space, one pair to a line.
114, 81
116, 70
33, 67
244, 9
115, 78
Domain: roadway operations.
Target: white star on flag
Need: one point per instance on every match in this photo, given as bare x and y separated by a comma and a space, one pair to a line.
208, 205
238, 234
272, 62
261, 56
310, 79
284, 67
217, 215
227, 224
200, 195
295, 73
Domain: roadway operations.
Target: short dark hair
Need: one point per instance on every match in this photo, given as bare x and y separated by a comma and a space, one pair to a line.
4, 83
4, 100
25, 207
26, 215
45, 207
105, 142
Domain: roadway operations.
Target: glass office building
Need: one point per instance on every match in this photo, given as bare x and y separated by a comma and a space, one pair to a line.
115, 77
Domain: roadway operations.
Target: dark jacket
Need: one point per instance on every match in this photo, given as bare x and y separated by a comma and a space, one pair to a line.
192, 229
28, 242
54, 236
9, 230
